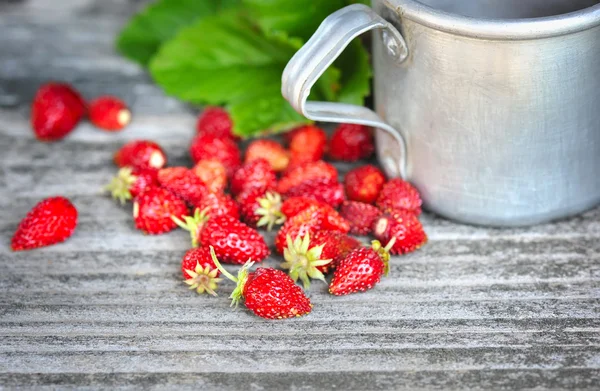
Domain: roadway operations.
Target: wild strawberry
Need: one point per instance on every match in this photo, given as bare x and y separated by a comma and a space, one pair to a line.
336, 246
142, 154
351, 142
307, 144
364, 184
52, 220
294, 205
360, 216
184, 183
257, 173
216, 122
398, 194
109, 113
404, 227
212, 173
269, 150
130, 182
225, 150
311, 220
261, 208
233, 241
324, 190
306, 172
303, 262
57, 108
152, 210
269, 293
360, 270
200, 271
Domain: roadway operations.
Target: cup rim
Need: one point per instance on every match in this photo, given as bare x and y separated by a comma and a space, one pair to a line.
498, 29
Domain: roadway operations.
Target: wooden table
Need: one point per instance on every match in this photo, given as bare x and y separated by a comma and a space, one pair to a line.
475, 309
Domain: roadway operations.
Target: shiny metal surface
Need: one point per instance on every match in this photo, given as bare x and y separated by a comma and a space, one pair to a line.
500, 117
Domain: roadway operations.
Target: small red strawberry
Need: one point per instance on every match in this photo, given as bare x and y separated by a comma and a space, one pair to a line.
303, 261
261, 208
184, 183
52, 220
225, 150
324, 190
336, 246
142, 154
404, 227
152, 210
360, 270
57, 108
216, 122
200, 271
398, 194
233, 241
306, 172
270, 150
257, 173
130, 182
364, 184
212, 173
269, 293
109, 113
294, 205
351, 142
307, 144
360, 216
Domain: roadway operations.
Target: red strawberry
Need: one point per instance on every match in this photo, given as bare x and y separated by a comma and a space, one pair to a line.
212, 173
404, 227
52, 220
152, 210
303, 260
200, 271
306, 172
184, 183
307, 144
336, 246
216, 122
269, 293
233, 241
364, 184
360, 216
398, 194
351, 142
257, 173
109, 113
360, 270
225, 150
324, 190
294, 205
261, 208
130, 182
270, 150
142, 154
57, 108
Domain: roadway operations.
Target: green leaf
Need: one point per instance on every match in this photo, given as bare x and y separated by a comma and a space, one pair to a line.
299, 18
355, 66
160, 21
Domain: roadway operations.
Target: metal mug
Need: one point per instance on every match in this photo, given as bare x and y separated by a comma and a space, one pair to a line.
491, 108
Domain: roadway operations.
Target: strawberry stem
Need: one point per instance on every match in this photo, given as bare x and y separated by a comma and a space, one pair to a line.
193, 224
240, 280
120, 184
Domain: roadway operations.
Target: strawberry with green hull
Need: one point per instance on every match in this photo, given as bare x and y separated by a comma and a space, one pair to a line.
364, 184
261, 208
255, 174
303, 260
306, 144
184, 183
212, 173
52, 220
200, 271
360, 216
109, 113
398, 194
56, 110
216, 122
402, 226
270, 150
152, 210
361, 269
269, 293
141, 154
318, 170
350, 142
327, 191
130, 182
336, 246
225, 150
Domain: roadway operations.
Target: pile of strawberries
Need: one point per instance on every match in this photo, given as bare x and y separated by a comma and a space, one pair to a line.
290, 187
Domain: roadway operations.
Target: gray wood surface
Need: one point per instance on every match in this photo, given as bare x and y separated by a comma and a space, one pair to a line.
477, 308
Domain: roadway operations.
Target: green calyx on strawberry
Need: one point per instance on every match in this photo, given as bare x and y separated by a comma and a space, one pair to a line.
203, 279
193, 224
119, 186
270, 211
303, 262
384, 253
240, 280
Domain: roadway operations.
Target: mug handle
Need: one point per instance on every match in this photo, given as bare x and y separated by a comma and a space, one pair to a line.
322, 49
